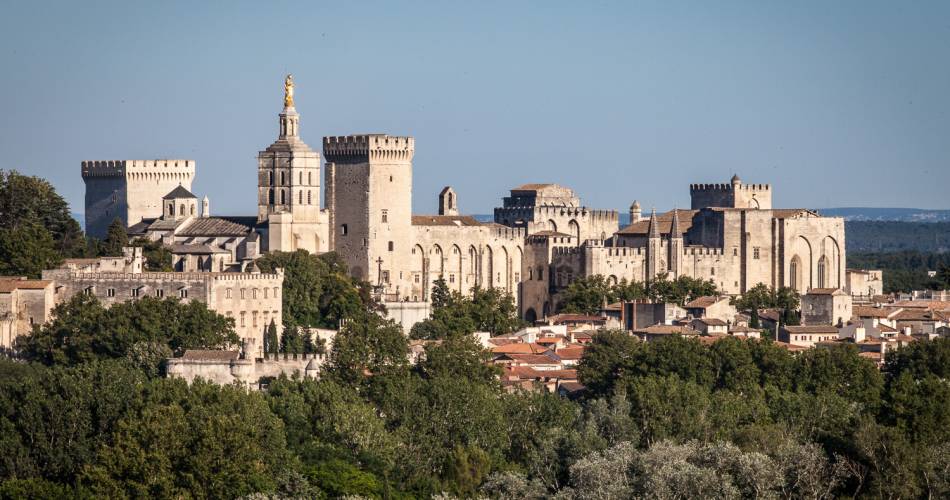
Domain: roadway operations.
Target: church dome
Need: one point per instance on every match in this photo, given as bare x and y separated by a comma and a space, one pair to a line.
635, 205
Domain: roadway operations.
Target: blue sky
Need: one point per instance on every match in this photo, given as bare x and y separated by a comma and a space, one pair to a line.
834, 103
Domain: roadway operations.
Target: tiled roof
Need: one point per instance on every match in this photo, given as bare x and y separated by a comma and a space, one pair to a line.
667, 330
570, 353
789, 347
532, 187
196, 249
811, 329
664, 221
444, 220
576, 318
770, 314
532, 359
702, 302
869, 312
213, 226
179, 192
825, 291
519, 348
712, 321
548, 232
8, 285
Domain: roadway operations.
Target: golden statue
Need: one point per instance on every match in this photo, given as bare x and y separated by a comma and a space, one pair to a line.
289, 91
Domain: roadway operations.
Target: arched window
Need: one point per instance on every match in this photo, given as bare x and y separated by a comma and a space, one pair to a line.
270, 196
270, 178
300, 197
181, 209
793, 273
283, 197
822, 268
281, 178
301, 177
192, 209
309, 199
310, 179
171, 208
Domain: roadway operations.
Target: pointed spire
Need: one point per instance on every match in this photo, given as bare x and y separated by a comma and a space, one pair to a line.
654, 225
675, 225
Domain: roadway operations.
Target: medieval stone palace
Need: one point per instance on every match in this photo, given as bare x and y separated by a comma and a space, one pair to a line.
541, 239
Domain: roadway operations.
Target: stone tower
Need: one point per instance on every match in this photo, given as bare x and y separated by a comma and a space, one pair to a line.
288, 187
448, 201
131, 190
369, 198
635, 213
655, 263
676, 246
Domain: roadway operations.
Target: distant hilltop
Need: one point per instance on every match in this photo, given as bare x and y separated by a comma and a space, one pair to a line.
850, 214
888, 214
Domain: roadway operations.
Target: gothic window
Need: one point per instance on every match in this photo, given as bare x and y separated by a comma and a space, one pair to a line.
171, 208
181, 209
281, 178
822, 268
192, 210
270, 179
270, 197
735, 252
385, 217
793, 273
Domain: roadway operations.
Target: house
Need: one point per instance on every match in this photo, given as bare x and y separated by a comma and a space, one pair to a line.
826, 306
710, 326
807, 335
711, 307
663, 331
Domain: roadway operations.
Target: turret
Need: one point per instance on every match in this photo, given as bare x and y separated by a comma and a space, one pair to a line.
448, 201
205, 207
635, 214
654, 225
675, 225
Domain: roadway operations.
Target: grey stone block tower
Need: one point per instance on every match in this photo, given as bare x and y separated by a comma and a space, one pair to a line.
131, 190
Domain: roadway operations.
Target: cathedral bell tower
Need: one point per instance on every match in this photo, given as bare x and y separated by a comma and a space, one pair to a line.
288, 185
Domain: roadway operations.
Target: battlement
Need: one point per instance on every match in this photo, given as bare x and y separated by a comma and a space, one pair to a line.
566, 250
566, 211
368, 148
172, 276
543, 240
120, 168
509, 233
624, 251
703, 251
695, 188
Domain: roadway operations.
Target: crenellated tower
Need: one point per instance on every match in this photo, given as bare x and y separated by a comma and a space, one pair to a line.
732, 195
131, 190
369, 199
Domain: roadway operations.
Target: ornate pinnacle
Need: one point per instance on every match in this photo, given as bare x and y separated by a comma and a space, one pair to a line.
289, 91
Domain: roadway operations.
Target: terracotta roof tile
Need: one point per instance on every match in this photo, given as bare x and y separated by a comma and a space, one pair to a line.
444, 220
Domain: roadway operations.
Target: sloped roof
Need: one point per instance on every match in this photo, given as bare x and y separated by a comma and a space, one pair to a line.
179, 192
667, 330
825, 291
703, 302
444, 220
532, 187
8, 285
664, 223
196, 249
210, 355
812, 329
213, 226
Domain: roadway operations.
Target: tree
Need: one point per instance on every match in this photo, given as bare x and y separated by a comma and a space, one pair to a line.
367, 345
82, 330
271, 340
291, 341
29, 201
610, 356
26, 250
117, 238
441, 296
317, 290
587, 295
460, 357
489, 310
157, 257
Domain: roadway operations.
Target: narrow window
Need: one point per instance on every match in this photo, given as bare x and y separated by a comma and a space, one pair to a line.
242, 318
159, 293
110, 292
227, 293
385, 215
755, 253
309, 199
183, 293
390, 246
343, 229
243, 293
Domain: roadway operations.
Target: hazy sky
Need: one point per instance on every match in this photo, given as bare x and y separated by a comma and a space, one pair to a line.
834, 103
